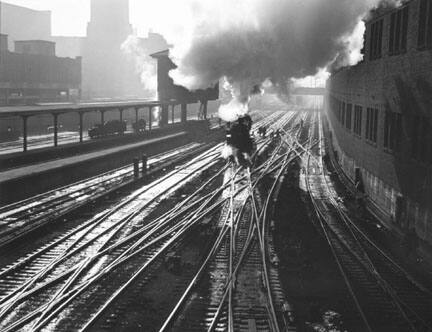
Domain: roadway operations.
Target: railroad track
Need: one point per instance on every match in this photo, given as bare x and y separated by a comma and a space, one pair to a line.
385, 295
95, 240
20, 217
235, 288
12, 212
39, 141
105, 253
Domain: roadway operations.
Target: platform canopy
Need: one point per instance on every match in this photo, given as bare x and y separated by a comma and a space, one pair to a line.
61, 108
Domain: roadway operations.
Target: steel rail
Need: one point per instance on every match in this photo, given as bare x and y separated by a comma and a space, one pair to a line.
12, 209
67, 253
81, 227
364, 259
71, 292
387, 287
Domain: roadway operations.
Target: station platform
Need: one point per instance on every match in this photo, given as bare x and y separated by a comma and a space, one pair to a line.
55, 164
44, 154
22, 182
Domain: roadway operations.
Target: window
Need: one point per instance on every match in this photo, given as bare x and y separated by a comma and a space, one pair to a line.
421, 139
342, 120
371, 124
392, 130
348, 116
398, 31
358, 120
376, 40
415, 137
424, 39
334, 106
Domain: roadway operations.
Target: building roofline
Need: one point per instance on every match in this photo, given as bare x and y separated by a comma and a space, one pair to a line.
380, 12
163, 53
26, 8
34, 40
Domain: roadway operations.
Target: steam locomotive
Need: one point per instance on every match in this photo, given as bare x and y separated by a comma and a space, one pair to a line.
239, 141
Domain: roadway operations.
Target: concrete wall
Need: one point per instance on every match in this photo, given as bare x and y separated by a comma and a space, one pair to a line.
400, 84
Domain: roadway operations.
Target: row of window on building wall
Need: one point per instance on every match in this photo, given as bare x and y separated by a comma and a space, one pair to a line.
398, 31
416, 129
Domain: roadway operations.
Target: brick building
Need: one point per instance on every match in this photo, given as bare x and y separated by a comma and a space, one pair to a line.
380, 116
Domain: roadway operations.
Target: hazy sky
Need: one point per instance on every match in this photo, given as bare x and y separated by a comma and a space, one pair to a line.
307, 34
70, 17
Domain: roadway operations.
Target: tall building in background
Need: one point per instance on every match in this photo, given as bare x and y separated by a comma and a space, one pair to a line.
107, 72
21, 23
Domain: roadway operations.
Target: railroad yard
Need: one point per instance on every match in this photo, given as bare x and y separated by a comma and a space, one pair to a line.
191, 166
198, 244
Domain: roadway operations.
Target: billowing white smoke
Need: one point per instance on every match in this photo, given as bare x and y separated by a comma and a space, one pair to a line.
233, 110
145, 65
252, 41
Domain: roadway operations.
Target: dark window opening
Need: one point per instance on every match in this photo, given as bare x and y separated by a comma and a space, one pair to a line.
392, 130
424, 38
415, 137
398, 31
421, 139
348, 116
343, 114
376, 40
372, 124
358, 120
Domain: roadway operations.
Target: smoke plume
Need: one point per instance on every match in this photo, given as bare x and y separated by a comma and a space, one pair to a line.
249, 42
144, 64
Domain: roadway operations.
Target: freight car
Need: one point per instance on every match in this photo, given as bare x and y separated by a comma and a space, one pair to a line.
108, 128
140, 126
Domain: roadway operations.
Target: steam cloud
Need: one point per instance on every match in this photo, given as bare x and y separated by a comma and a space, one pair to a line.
144, 64
251, 42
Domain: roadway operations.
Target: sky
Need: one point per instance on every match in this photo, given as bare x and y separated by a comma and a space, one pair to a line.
70, 17
247, 41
